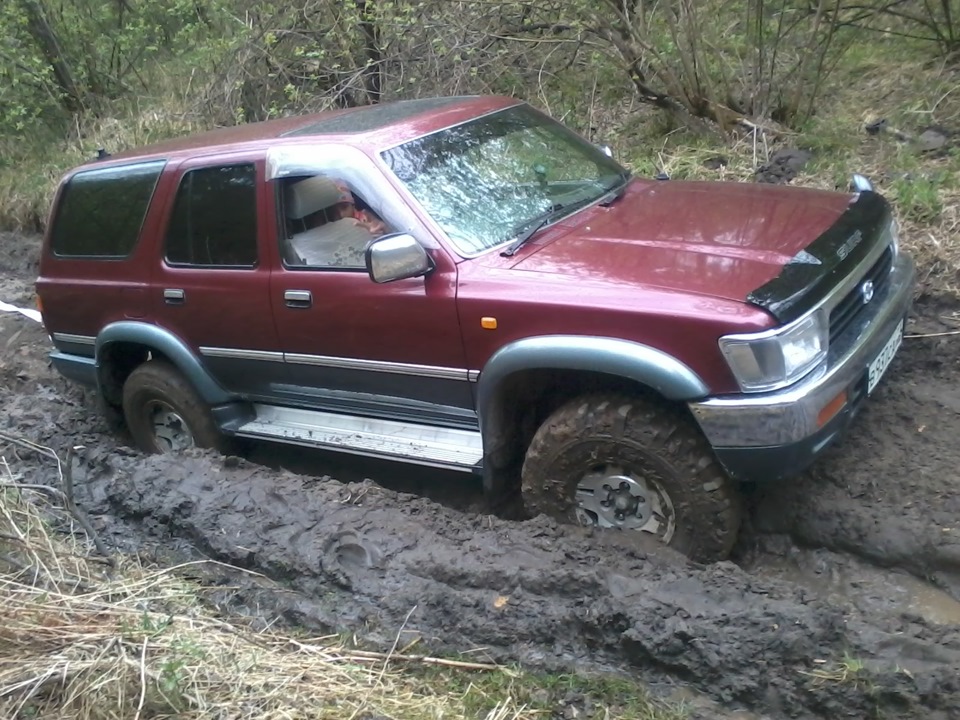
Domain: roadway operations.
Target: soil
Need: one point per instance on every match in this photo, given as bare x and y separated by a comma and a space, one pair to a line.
855, 563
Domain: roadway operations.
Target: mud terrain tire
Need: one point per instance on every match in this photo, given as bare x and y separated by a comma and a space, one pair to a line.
647, 440
155, 384
111, 414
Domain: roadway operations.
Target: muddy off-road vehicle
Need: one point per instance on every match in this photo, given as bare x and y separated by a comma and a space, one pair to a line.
465, 283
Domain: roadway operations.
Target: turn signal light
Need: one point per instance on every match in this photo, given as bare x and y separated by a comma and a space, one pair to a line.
830, 410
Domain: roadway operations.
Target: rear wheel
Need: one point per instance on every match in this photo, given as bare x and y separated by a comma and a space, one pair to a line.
615, 461
164, 413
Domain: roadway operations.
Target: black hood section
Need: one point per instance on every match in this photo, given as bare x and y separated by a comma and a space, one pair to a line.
815, 271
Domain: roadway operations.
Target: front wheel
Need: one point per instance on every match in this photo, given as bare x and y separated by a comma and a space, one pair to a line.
635, 465
164, 413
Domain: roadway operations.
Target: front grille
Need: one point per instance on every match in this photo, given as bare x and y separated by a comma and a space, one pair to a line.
848, 309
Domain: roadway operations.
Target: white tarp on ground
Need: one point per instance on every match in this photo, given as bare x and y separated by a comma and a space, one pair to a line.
32, 314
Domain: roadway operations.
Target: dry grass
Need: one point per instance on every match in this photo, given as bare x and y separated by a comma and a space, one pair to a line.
79, 640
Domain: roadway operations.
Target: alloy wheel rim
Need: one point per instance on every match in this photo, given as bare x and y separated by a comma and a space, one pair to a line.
170, 430
610, 496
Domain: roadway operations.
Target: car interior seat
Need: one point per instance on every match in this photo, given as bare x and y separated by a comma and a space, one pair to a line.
330, 243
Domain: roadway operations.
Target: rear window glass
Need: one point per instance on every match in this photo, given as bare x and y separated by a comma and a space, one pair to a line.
214, 221
101, 211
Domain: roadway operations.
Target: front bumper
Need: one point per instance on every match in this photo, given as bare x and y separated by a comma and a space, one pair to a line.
777, 435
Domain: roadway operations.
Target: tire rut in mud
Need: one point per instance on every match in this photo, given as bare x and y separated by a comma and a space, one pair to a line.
367, 557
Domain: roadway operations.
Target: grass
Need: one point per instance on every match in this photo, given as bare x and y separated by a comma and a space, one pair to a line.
30, 168
85, 640
880, 78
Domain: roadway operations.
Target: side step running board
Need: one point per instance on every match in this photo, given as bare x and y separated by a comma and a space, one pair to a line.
420, 444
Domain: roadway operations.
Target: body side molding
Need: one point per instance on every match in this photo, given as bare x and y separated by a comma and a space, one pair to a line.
171, 346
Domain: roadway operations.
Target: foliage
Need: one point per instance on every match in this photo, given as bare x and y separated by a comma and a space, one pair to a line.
932, 21
72, 57
719, 60
76, 75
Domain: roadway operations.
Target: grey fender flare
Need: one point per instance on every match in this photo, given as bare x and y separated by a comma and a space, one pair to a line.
646, 365
165, 342
653, 368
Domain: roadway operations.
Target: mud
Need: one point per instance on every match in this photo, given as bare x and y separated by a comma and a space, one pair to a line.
888, 494
855, 563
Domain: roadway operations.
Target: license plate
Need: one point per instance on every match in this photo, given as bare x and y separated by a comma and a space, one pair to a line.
881, 362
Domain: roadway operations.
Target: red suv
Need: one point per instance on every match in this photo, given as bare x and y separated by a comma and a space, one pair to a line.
465, 283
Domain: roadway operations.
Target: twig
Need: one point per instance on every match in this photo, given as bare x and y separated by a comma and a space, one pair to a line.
143, 680
66, 495
88, 558
79, 514
15, 563
41, 574
396, 641
936, 334
39, 449
54, 492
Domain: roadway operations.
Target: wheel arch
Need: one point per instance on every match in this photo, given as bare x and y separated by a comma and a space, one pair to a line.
123, 346
525, 381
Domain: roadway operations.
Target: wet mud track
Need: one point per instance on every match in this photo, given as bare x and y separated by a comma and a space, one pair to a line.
857, 562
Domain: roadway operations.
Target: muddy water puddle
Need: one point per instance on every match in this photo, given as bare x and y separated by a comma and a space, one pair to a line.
843, 579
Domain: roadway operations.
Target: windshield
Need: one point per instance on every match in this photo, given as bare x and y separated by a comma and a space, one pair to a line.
485, 180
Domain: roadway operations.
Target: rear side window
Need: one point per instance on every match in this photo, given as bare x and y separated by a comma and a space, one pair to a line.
101, 211
214, 221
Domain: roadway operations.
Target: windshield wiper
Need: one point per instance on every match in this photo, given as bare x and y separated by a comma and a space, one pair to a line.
617, 191
529, 228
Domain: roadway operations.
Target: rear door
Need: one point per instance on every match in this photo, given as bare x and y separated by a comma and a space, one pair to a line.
212, 285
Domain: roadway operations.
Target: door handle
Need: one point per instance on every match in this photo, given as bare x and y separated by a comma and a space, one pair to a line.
174, 296
298, 298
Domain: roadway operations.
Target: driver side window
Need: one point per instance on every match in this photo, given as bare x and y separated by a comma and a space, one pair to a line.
325, 223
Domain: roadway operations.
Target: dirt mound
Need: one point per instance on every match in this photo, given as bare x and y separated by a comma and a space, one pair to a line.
19, 265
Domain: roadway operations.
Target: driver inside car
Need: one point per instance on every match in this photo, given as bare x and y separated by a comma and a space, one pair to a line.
335, 231
346, 207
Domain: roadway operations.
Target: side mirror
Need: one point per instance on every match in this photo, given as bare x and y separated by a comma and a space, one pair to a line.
860, 183
396, 257
606, 150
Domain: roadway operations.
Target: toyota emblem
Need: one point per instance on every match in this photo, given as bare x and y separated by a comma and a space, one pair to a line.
866, 291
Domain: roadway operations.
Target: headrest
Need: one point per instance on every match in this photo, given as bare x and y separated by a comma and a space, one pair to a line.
314, 194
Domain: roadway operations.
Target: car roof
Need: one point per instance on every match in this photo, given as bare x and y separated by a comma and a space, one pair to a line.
377, 126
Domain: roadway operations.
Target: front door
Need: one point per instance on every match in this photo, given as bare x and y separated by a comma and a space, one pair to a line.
390, 350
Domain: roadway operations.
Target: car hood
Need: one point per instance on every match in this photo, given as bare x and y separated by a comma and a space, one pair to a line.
718, 239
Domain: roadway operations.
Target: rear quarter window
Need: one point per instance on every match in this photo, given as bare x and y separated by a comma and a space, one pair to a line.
101, 211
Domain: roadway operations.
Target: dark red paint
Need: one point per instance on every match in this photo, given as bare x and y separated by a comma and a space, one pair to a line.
669, 265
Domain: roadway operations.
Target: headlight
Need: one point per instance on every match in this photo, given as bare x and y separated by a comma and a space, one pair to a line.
775, 358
